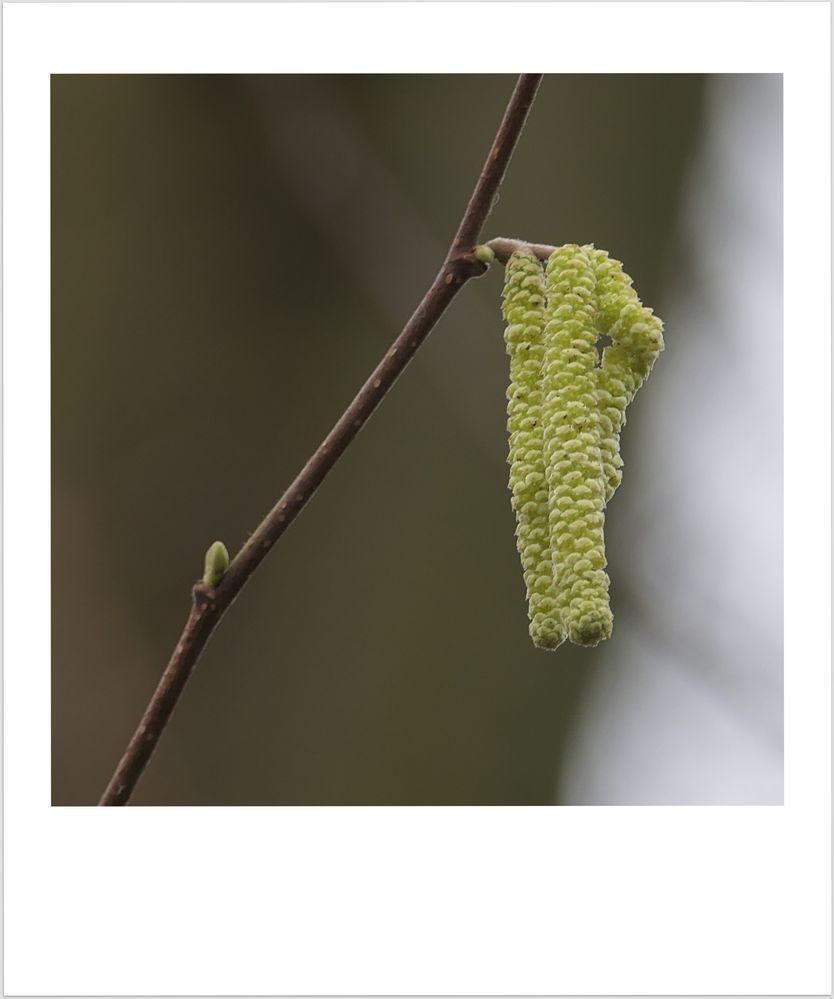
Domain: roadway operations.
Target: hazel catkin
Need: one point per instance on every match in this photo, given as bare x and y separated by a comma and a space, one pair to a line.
637, 340
572, 447
566, 411
523, 308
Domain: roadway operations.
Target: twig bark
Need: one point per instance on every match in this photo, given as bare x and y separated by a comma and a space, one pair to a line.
503, 248
208, 604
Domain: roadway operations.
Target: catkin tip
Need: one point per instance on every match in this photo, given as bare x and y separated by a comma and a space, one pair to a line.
590, 633
548, 640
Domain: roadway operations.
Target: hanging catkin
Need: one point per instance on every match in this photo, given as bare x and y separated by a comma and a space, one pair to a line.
572, 447
566, 412
637, 340
523, 308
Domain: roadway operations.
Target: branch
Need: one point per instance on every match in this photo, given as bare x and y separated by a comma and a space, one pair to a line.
503, 248
209, 604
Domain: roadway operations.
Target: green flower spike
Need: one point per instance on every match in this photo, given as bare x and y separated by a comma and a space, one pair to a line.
637, 340
572, 447
523, 307
217, 562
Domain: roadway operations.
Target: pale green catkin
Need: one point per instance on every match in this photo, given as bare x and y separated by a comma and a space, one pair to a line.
637, 340
523, 308
566, 411
573, 458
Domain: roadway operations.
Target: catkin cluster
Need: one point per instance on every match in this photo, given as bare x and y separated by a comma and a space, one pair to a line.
566, 410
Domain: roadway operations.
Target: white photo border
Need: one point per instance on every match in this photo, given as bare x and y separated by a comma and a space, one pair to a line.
367, 901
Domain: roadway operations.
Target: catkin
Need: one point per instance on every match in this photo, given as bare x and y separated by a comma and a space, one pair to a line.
637, 340
523, 308
573, 458
565, 414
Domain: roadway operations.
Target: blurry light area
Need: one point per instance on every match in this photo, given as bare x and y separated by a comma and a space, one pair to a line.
686, 703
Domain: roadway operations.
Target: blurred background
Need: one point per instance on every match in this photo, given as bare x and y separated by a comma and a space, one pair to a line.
230, 258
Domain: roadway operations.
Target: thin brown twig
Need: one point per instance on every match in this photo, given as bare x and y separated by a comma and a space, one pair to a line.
208, 604
503, 248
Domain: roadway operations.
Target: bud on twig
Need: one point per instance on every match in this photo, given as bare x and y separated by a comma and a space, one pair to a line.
217, 562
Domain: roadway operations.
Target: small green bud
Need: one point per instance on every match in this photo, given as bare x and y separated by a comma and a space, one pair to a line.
484, 254
217, 562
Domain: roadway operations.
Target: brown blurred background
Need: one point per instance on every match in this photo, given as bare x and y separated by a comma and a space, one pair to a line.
231, 256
